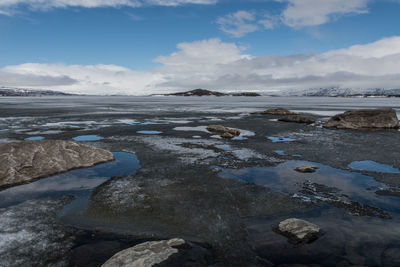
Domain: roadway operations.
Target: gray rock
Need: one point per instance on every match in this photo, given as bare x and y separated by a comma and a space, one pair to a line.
364, 119
24, 162
223, 131
278, 111
306, 169
297, 119
145, 254
300, 230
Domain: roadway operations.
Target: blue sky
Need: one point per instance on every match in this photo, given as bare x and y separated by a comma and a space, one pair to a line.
132, 34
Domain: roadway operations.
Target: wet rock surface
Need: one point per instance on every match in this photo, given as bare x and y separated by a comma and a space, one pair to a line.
365, 119
299, 230
31, 235
297, 119
22, 162
178, 193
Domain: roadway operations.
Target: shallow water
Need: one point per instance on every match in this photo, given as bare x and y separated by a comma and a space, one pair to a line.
283, 178
277, 139
34, 138
372, 166
77, 182
84, 138
149, 132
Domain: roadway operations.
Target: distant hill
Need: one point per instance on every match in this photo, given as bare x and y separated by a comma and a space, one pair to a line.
204, 92
343, 92
11, 91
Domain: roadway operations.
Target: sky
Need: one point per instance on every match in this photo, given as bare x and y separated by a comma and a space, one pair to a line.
140, 47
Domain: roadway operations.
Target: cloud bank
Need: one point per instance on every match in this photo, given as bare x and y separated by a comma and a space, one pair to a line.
8, 7
213, 64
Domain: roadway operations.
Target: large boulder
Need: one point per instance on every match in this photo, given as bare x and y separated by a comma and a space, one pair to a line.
24, 162
173, 252
365, 119
223, 131
297, 119
299, 230
278, 111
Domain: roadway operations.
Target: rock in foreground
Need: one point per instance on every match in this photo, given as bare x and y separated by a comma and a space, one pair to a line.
364, 119
175, 251
223, 131
23, 162
297, 119
299, 230
278, 111
306, 169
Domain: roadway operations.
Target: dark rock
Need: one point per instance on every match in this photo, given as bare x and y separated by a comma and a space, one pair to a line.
277, 111
364, 119
246, 94
197, 92
306, 169
223, 131
24, 162
297, 119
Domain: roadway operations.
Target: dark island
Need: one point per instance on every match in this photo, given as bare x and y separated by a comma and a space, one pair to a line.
204, 92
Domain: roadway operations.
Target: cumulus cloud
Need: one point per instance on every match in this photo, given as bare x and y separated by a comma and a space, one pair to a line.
300, 13
243, 22
7, 7
296, 13
213, 64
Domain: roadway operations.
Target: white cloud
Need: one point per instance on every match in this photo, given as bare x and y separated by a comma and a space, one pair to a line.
8, 7
296, 13
238, 23
213, 64
300, 13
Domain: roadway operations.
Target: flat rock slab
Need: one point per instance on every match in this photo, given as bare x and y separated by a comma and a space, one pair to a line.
365, 119
299, 230
24, 162
223, 131
173, 252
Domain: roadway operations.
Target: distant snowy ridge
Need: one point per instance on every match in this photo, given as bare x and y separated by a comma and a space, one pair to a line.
341, 92
13, 91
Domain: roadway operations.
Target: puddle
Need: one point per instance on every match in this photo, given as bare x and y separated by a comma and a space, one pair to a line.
224, 147
34, 138
296, 155
276, 139
83, 138
77, 182
341, 185
372, 166
280, 152
149, 132
4, 130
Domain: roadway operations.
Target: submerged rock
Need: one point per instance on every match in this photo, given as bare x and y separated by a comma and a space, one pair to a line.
364, 119
306, 169
175, 252
297, 119
278, 111
223, 131
299, 230
23, 162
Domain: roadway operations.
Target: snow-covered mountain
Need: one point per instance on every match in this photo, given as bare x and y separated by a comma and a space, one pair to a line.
12, 91
342, 92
